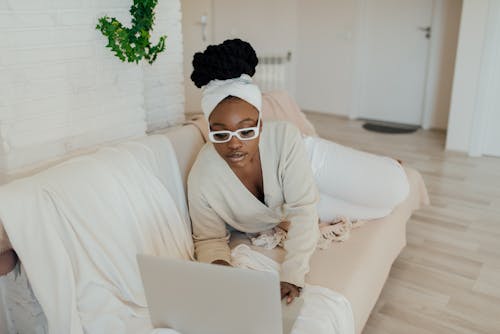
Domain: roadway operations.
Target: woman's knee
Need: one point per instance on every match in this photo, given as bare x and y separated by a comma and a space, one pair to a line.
397, 186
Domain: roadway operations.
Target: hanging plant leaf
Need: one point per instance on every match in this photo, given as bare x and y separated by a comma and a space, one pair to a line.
133, 44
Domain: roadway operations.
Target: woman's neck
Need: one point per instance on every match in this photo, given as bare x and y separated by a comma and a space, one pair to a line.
251, 177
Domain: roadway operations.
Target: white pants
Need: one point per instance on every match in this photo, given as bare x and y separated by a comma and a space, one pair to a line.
353, 183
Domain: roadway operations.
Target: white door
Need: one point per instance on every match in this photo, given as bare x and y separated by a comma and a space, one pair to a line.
197, 31
394, 55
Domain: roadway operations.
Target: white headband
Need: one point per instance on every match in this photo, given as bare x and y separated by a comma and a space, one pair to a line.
217, 90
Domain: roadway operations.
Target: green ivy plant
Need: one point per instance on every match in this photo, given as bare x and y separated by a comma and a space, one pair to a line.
132, 44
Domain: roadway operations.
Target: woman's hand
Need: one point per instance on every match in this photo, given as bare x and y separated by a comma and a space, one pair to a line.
290, 291
222, 263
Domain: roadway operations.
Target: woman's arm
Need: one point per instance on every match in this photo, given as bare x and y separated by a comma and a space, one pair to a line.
209, 231
301, 198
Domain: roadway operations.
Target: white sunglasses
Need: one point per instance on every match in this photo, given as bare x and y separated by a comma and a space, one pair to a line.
224, 136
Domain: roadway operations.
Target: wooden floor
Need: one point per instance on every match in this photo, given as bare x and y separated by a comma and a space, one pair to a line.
447, 279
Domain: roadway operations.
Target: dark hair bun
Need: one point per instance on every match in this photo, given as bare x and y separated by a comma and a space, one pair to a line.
228, 60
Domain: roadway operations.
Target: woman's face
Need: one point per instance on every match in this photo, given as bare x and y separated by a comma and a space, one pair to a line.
233, 114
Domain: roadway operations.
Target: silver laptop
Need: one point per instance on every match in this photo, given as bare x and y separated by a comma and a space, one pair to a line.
199, 298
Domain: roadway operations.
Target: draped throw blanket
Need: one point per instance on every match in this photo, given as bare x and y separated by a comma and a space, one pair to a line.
77, 228
324, 311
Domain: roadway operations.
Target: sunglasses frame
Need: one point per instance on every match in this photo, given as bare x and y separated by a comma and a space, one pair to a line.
211, 134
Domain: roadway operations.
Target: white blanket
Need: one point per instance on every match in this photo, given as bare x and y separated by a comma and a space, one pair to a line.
77, 228
323, 312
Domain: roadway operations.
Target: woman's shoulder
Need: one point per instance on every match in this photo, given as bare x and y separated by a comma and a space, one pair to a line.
280, 125
281, 128
280, 132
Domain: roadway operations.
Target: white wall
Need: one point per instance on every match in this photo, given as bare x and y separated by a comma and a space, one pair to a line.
61, 89
329, 57
164, 81
476, 100
269, 26
487, 130
326, 55
467, 71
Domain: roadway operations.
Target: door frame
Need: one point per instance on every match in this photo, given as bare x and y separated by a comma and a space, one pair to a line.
361, 59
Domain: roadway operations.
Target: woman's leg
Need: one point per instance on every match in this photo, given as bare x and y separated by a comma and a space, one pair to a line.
353, 183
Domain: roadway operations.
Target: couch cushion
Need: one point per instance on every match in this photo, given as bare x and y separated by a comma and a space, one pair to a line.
278, 105
187, 142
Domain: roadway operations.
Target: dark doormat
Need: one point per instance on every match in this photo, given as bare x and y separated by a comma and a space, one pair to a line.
388, 127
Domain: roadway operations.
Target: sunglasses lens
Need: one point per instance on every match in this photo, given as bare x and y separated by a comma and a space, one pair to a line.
221, 137
247, 133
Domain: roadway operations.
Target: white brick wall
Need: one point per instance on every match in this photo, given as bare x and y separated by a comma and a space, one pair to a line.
61, 89
164, 90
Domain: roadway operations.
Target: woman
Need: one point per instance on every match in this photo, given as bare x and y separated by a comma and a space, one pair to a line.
251, 176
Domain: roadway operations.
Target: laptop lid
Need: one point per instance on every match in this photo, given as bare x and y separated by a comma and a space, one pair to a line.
199, 298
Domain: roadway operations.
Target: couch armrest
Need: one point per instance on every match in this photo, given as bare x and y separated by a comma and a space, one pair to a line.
187, 142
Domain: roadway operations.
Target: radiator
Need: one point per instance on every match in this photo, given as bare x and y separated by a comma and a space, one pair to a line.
272, 72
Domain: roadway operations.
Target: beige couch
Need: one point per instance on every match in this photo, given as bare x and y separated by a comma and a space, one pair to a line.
356, 268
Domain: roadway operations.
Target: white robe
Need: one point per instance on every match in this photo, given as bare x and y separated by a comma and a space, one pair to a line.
217, 197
